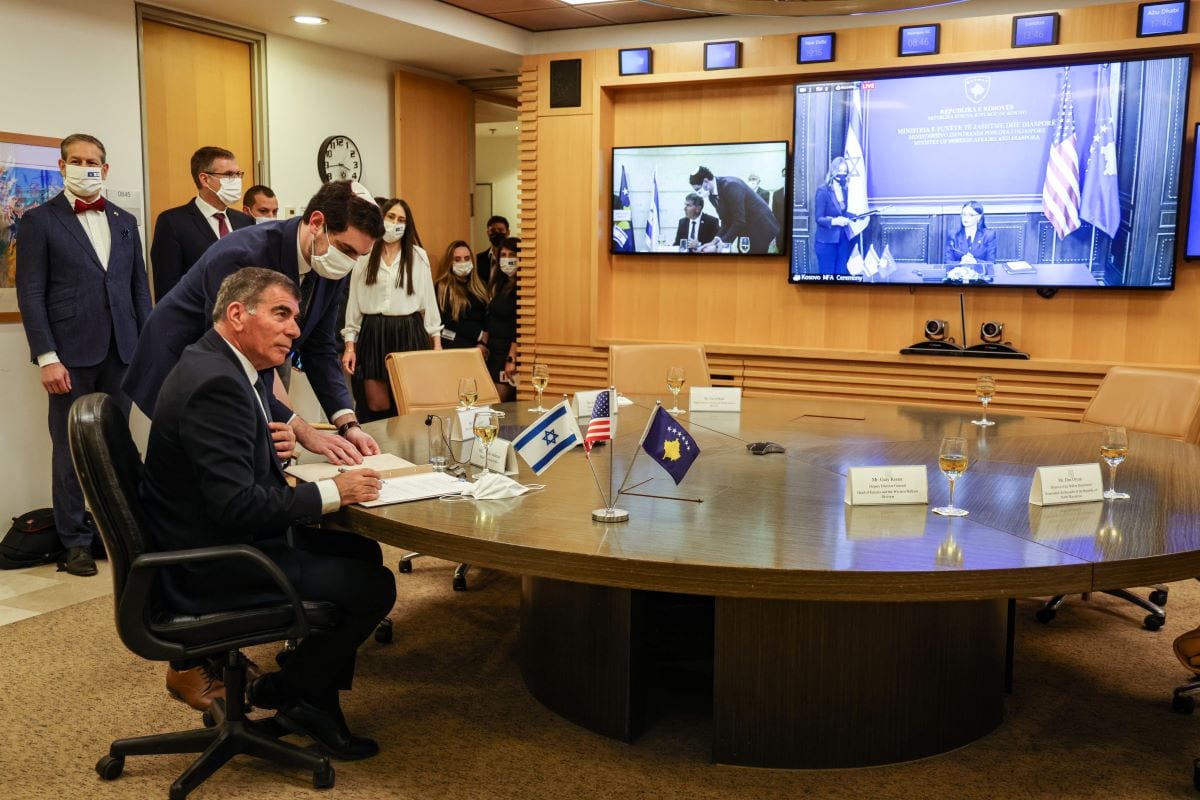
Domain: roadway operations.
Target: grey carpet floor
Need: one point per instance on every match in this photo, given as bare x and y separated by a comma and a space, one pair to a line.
1089, 716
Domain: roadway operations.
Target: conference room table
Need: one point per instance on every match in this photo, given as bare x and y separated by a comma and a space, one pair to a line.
842, 635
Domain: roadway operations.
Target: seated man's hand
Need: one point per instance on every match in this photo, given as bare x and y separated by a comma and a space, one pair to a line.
285, 440
365, 443
334, 448
358, 486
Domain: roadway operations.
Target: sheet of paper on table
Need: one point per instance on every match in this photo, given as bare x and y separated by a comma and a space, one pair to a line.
421, 485
384, 464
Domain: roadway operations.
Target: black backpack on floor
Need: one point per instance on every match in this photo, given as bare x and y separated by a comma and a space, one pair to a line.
31, 540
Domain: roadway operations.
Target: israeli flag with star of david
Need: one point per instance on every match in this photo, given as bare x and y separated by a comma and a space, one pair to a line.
545, 441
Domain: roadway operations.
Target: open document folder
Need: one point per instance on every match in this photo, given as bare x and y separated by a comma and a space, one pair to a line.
403, 481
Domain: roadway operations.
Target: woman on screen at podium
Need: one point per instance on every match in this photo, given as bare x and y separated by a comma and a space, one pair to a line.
973, 243
833, 235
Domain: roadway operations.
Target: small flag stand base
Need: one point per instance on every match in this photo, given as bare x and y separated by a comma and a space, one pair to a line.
610, 515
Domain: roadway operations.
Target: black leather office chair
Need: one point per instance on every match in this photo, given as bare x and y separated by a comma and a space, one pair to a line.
109, 470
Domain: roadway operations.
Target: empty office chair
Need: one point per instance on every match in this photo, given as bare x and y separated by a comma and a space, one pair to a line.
1154, 401
109, 470
427, 380
642, 368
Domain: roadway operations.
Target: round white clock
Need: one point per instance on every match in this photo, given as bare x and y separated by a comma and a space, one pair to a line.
338, 159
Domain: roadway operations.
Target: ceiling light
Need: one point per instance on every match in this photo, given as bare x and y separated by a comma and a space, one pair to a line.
585, 2
306, 19
800, 8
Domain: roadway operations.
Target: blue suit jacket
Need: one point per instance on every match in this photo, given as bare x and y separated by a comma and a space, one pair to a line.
69, 302
181, 236
983, 248
185, 313
825, 208
744, 213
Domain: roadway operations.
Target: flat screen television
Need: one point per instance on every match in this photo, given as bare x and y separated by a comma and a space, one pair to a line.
741, 205
1192, 250
1051, 176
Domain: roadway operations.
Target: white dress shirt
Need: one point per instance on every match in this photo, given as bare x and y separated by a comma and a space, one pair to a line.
385, 297
207, 211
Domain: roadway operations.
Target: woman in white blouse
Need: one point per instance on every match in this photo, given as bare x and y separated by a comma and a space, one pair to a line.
391, 307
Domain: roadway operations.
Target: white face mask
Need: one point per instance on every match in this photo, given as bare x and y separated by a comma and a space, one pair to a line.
334, 264
83, 181
508, 266
462, 268
230, 191
261, 220
393, 232
495, 486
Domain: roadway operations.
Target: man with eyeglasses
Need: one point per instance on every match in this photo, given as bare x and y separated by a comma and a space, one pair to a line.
183, 233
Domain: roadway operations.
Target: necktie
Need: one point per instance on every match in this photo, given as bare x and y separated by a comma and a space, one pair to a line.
95, 205
692, 235
261, 388
222, 228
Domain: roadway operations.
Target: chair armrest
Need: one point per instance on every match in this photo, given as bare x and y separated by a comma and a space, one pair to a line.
146, 566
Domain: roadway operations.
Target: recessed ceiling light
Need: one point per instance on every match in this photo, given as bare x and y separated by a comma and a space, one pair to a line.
585, 2
305, 19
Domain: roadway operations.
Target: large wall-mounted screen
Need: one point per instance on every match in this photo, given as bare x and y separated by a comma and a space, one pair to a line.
1048, 176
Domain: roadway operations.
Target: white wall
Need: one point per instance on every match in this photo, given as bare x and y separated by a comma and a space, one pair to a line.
496, 163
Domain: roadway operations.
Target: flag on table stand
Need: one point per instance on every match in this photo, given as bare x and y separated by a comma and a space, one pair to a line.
871, 263
1101, 204
887, 264
546, 440
652, 218
854, 265
856, 188
1060, 192
603, 425
669, 444
622, 231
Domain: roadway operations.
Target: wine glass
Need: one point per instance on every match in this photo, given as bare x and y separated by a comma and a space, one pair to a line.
985, 388
541, 377
952, 460
1113, 449
675, 383
486, 426
467, 393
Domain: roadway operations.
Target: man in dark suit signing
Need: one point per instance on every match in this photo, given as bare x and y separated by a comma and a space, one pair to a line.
213, 476
742, 211
695, 227
83, 295
183, 233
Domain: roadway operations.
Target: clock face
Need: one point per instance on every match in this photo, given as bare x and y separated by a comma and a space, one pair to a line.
339, 160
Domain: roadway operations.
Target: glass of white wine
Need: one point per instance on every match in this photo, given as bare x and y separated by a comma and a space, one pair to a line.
952, 460
541, 377
1113, 449
486, 426
675, 383
468, 392
985, 389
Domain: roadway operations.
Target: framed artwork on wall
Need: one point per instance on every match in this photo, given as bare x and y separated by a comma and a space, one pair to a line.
29, 176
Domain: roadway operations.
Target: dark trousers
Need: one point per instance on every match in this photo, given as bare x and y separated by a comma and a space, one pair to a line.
832, 258
66, 495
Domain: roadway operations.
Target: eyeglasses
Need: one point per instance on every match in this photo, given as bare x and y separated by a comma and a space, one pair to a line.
237, 174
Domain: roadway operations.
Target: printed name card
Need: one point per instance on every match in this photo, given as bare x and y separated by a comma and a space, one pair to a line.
1069, 483
501, 457
584, 401
891, 485
462, 423
715, 398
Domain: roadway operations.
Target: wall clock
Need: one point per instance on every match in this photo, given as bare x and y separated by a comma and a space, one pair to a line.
339, 159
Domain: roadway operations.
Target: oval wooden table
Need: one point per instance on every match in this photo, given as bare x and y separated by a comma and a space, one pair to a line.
841, 636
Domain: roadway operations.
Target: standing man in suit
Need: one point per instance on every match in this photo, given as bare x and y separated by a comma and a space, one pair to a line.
83, 295
742, 212
497, 232
183, 233
755, 183
213, 477
261, 203
318, 250
695, 226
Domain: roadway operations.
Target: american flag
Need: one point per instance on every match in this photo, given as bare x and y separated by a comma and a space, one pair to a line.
599, 429
1060, 193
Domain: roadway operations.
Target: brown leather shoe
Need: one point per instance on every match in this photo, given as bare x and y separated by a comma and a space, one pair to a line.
197, 686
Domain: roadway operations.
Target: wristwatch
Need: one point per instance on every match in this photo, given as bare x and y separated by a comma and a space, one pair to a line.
346, 426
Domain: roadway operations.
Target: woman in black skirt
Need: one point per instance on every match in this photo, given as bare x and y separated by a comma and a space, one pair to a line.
391, 307
461, 298
500, 322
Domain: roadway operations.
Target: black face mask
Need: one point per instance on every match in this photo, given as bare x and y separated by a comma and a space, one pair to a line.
842, 179
496, 239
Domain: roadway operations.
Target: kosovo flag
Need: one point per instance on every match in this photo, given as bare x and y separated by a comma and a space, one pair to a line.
622, 231
669, 444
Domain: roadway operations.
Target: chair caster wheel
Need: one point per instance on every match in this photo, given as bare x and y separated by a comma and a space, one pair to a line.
460, 583
323, 778
1159, 598
383, 631
1153, 622
208, 719
110, 767
406, 565
1044, 615
1183, 704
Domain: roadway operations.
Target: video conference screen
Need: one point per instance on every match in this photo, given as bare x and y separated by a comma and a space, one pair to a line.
700, 199
1052, 176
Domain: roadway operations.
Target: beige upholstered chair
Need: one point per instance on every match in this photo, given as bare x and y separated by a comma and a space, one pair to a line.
642, 368
1154, 401
427, 380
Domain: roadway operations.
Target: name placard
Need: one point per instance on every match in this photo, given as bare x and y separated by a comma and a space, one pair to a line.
501, 457
1068, 483
891, 485
584, 401
715, 398
462, 423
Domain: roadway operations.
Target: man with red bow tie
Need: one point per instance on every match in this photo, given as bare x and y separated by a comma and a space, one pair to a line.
83, 296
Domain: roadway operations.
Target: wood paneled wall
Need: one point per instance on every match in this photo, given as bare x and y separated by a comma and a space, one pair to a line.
762, 333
